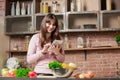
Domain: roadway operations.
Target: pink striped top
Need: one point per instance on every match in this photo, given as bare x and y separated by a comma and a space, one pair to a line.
34, 55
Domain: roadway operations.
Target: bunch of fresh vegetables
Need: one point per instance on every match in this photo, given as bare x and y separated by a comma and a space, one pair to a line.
55, 64
22, 72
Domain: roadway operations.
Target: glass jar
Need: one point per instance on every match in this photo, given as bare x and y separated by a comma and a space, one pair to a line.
45, 7
27, 39
54, 6
17, 8
80, 43
72, 6
13, 9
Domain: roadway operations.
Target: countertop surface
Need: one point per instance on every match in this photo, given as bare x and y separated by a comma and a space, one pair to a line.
8, 78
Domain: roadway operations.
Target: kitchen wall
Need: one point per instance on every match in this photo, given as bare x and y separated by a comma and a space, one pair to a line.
4, 40
102, 62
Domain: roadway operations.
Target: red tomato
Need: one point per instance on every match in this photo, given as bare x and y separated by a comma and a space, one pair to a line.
32, 74
11, 74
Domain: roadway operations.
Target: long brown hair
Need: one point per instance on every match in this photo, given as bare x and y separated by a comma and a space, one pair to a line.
43, 29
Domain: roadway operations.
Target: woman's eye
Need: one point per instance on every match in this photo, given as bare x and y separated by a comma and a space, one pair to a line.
53, 24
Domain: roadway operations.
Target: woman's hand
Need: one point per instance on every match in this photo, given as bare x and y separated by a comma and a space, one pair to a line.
55, 49
45, 48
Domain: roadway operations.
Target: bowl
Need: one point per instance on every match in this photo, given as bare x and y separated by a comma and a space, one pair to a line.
89, 26
61, 72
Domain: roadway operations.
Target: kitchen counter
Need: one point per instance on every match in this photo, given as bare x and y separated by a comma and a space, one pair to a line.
7, 78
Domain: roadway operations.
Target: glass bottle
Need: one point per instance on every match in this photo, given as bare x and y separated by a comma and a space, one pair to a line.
88, 42
23, 9
79, 5
45, 7
32, 8
18, 8
13, 9
66, 44
27, 38
108, 4
28, 10
72, 6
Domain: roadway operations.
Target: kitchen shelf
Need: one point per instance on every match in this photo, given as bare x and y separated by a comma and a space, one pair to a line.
18, 16
73, 49
110, 20
11, 52
17, 51
83, 21
94, 48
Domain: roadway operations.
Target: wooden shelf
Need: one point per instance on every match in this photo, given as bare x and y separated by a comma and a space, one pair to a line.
73, 49
17, 51
93, 48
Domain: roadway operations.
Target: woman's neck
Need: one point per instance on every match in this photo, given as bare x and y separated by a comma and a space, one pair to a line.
48, 35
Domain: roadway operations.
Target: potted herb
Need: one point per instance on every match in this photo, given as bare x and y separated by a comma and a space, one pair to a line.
117, 39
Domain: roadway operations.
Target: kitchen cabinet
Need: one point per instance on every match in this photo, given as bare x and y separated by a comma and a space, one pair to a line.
91, 18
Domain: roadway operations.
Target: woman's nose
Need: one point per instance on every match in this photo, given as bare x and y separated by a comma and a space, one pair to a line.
51, 26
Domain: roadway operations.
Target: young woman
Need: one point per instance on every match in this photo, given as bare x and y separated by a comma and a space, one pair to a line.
39, 44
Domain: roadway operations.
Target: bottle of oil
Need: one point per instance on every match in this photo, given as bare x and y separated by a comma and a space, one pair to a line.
45, 7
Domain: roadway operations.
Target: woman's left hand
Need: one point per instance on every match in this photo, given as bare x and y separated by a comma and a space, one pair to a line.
55, 49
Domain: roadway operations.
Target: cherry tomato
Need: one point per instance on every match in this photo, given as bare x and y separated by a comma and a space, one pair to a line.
32, 74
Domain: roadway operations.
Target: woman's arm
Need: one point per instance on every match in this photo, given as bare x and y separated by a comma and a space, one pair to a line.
32, 54
61, 56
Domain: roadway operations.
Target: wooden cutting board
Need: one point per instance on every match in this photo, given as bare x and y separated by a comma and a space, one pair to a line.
39, 76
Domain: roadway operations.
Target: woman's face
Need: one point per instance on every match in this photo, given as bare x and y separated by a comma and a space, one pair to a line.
50, 26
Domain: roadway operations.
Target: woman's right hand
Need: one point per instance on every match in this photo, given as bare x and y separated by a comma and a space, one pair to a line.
45, 48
